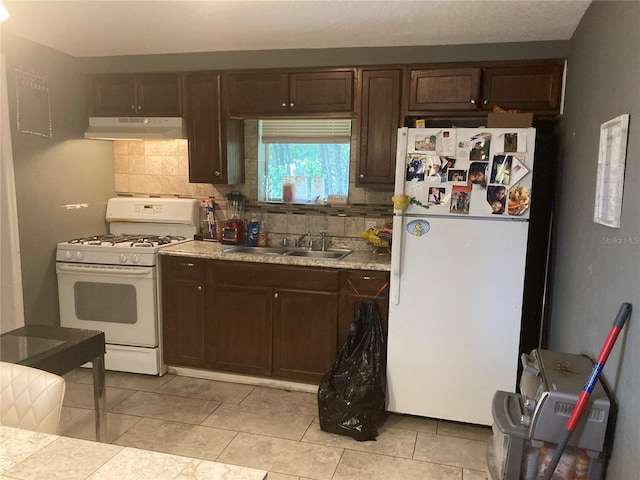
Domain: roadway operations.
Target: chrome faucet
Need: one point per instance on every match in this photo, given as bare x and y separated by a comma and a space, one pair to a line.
323, 246
298, 241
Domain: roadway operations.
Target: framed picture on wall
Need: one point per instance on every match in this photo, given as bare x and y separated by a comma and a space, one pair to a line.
612, 154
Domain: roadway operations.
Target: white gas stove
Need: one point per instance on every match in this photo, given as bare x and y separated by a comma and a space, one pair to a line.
110, 282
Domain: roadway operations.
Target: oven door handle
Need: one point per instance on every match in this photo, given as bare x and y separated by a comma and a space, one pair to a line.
128, 271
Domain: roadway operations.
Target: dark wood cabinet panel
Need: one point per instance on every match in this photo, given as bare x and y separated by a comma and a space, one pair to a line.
379, 118
534, 88
364, 284
183, 307
445, 89
239, 330
216, 142
271, 320
473, 89
253, 94
155, 95
321, 92
305, 332
265, 320
257, 93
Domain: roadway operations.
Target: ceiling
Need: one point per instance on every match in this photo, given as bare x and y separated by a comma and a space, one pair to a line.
87, 28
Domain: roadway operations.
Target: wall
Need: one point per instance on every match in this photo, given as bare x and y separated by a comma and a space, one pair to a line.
160, 167
325, 57
54, 175
596, 267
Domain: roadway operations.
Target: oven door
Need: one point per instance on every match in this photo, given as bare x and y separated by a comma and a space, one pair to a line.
121, 301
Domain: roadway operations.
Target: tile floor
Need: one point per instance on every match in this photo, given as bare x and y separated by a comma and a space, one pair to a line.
268, 428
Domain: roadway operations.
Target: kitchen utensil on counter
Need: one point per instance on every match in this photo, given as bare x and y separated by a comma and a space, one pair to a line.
234, 231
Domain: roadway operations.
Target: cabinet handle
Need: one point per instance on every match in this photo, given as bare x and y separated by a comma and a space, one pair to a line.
368, 278
362, 175
484, 102
139, 107
133, 107
473, 101
275, 295
292, 104
217, 173
187, 265
199, 288
284, 105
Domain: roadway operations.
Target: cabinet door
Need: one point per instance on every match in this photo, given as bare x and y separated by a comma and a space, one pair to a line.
321, 92
216, 143
239, 329
380, 118
113, 95
183, 307
257, 93
532, 88
159, 95
305, 332
444, 89
368, 284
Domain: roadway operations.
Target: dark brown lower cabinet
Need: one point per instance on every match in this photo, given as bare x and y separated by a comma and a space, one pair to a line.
364, 284
305, 330
238, 332
271, 320
275, 321
183, 307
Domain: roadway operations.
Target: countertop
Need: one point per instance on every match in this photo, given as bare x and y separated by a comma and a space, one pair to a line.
358, 260
40, 456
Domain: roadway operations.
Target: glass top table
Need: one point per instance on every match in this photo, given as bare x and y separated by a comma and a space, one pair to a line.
60, 350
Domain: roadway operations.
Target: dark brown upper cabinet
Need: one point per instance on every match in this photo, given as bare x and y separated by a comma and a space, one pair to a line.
530, 88
282, 93
131, 95
216, 141
473, 89
379, 117
444, 89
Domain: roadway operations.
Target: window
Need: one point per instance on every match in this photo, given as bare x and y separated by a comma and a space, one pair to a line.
303, 160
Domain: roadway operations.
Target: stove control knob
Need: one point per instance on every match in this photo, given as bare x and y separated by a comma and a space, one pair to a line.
79, 255
123, 257
135, 258
68, 255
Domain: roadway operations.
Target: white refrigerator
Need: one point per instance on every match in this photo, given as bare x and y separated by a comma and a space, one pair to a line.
461, 207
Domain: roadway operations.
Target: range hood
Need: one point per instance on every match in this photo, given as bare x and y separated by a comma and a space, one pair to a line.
115, 128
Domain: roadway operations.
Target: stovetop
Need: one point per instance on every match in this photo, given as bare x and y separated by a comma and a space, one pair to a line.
138, 228
121, 249
127, 240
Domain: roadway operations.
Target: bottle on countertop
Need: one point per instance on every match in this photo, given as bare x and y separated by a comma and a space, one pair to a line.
253, 230
262, 235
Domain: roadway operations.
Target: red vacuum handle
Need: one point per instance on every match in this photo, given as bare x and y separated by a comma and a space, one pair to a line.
618, 323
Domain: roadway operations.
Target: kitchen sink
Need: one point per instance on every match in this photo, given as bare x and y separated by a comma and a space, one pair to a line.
332, 254
327, 254
259, 250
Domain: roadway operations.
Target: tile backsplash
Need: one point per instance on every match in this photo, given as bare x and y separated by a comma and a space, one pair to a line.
161, 167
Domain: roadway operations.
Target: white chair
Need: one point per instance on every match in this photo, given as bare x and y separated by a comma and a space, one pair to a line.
30, 398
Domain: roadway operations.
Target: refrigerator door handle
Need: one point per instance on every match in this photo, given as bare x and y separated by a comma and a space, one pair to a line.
396, 259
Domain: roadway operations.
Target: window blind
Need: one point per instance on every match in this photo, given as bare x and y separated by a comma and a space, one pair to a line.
306, 130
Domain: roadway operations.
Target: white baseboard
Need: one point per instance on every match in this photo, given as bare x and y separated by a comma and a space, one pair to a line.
244, 379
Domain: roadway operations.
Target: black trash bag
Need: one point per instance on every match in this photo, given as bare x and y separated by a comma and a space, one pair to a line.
352, 393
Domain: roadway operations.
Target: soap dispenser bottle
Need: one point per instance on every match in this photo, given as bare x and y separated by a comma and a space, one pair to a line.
253, 230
